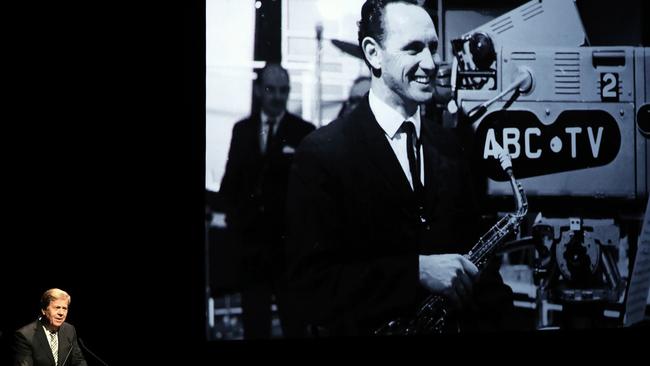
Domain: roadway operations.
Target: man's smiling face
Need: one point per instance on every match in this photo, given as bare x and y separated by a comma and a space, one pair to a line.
408, 53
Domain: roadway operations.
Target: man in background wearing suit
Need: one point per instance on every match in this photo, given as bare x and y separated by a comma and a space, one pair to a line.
49, 341
380, 204
359, 89
253, 190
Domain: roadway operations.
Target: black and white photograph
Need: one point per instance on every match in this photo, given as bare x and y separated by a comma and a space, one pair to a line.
392, 168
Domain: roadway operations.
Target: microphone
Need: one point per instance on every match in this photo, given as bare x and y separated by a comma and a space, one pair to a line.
504, 160
70, 350
522, 84
81, 343
319, 32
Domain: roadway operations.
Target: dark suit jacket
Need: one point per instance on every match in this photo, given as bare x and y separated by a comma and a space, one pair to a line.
354, 231
253, 189
32, 348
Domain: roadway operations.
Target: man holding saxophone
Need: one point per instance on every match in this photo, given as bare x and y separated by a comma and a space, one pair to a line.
380, 206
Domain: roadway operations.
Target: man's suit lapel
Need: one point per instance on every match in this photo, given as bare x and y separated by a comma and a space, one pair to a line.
40, 342
283, 130
64, 345
253, 133
381, 154
283, 133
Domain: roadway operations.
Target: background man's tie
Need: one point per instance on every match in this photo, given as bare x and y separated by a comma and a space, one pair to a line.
269, 135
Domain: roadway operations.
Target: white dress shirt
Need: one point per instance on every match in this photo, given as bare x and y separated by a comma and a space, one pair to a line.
49, 338
390, 121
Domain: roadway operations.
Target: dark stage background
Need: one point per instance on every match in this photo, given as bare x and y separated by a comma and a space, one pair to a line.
103, 182
103, 176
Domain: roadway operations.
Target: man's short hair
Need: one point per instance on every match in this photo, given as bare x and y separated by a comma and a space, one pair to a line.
51, 295
270, 65
372, 22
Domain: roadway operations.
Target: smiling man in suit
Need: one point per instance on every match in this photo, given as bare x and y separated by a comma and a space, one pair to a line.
380, 206
253, 190
49, 341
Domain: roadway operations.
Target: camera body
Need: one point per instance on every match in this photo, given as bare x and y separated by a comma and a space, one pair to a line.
575, 126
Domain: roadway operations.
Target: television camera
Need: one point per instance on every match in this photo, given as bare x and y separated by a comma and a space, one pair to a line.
574, 119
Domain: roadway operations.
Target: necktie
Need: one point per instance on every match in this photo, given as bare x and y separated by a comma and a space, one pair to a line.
269, 134
54, 345
413, 154
413, 146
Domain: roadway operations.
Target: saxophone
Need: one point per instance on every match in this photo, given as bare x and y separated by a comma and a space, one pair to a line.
432, 316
